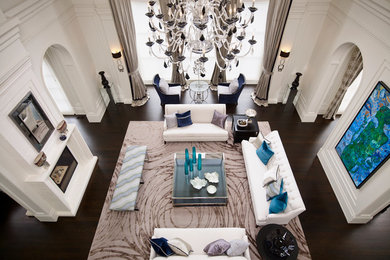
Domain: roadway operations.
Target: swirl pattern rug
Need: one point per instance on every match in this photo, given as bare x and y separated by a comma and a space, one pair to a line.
125, 234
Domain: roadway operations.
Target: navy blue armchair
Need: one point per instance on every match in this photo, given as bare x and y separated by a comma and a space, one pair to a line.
173, 95
224, 94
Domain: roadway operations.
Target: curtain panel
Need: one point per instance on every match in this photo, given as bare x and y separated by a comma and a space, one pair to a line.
124, 24
355, 66
276, 19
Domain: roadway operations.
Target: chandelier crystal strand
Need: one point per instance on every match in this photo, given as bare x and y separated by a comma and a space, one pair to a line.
194, 27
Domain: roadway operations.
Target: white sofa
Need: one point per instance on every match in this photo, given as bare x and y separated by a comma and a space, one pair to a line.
202, 129
198, 238
255, 170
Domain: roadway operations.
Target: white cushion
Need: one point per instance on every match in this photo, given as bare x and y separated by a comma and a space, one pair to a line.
233, 86
196, 132
164, 87
223, 90
174, 90
258, 140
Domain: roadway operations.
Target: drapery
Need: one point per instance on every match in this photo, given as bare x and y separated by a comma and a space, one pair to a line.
276, 18
124, 24
176, 77
355, 65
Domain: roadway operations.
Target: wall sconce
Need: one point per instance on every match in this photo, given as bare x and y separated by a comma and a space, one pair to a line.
117, 56
284, 55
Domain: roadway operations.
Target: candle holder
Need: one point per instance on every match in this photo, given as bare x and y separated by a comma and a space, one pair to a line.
62, 127
40, 160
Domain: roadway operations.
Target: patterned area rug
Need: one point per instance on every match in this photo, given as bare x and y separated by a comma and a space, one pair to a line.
124, 235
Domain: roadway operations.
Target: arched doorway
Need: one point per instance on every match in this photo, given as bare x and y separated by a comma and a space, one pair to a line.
344, 75
60, 77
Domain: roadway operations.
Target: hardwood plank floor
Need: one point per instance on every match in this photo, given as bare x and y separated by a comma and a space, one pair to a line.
327, 232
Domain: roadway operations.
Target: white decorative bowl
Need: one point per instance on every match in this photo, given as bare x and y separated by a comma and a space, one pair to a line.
250, 112
198, 183
211, 189
212, 177
242, 122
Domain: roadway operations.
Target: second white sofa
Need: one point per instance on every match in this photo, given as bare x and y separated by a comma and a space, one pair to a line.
198, 238
255, 170
202, 129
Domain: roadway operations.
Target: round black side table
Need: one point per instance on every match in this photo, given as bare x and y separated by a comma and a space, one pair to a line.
272, 238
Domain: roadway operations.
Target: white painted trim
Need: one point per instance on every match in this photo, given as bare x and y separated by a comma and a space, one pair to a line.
300, 105
96, 117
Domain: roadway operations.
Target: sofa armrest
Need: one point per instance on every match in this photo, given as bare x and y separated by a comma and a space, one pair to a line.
165, 125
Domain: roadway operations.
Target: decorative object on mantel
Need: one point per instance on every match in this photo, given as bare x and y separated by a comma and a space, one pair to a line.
62, 127
365, 147
106, 85
30, 118
195, 27
58, 173
40, 160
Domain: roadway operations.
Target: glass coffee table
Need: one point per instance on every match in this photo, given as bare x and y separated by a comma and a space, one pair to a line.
184, 194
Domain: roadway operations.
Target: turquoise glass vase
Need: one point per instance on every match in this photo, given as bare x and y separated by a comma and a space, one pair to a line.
193, 154
199, 162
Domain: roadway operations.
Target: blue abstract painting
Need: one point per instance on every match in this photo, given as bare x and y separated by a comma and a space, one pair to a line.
365, 146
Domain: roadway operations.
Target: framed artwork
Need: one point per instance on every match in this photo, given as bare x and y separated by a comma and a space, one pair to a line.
365, 146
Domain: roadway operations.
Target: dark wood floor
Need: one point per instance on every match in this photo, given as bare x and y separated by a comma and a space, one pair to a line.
327, 232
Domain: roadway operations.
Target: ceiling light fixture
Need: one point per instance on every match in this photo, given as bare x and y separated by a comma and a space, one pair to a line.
192, 28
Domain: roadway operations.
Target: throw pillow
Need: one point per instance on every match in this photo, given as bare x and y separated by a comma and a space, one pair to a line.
279, 202
233, 86
237, 247
219, 119
217, 247
271, 175
160, 245
171, 120
164, 86
184, 119
264, 152
180, 247
259, 140
274, 188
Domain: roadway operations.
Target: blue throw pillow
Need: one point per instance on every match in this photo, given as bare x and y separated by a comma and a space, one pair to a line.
279, 202
184, 119
160, 245
264, 152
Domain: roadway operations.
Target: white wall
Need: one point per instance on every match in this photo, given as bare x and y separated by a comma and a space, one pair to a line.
344, 24
26, 31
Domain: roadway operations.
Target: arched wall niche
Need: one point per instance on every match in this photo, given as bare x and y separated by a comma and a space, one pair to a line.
65, 69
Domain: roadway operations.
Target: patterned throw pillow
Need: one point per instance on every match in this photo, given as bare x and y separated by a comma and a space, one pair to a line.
271, 175
274, 188
171, 120
237, 247
184, 119
264, 152
219, 119
218, 247
160, 245
259, 140
180, 247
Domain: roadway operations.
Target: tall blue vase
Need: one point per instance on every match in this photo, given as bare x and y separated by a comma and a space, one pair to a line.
187, 156
193, 154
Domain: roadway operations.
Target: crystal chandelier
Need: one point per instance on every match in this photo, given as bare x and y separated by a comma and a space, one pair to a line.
191, 29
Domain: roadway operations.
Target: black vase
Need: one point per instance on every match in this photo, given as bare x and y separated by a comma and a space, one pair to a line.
295, 83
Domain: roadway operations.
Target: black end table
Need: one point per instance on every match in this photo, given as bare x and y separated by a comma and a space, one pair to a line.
272, 239
243, 133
